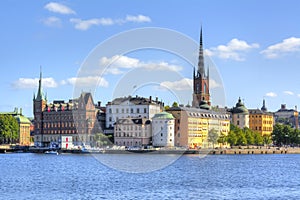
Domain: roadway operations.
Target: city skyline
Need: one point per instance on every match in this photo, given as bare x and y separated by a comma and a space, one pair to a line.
255, 53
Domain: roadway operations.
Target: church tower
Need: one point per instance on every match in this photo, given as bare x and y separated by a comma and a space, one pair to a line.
39, 104
201, 94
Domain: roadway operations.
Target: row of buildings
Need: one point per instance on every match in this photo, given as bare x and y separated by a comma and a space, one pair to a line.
141, 121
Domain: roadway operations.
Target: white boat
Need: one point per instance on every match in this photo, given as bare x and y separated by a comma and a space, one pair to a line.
51, 152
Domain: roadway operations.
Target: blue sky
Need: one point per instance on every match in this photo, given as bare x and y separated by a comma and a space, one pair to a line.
254, 45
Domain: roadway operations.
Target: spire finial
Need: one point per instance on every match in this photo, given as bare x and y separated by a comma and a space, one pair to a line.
40, 95
201, 56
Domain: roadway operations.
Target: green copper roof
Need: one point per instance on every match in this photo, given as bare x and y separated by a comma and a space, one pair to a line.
204, 105
22, 119
163, 115
240, 108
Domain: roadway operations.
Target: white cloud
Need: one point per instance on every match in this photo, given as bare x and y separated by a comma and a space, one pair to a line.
87, 81
83, 25
52, 21
86, 24
288, 93
232, 50
59, 8
298, 95
183, 84
116, 64
138, 18
32, 83
288, 45
213, 84
271, 94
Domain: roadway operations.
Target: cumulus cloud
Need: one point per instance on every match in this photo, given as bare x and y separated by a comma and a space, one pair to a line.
59, 8
87, 81
288, 93
31, 83
52, 21
83, 25
86, 24
117, 64
183, 84
233, 50
271, 94
138, 18
214, 84
289, 45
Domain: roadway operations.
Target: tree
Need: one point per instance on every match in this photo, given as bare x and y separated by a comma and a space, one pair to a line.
9, 129
175, 104
167, 107
102, 140
212, 137
267, 139
249, 136
258, 139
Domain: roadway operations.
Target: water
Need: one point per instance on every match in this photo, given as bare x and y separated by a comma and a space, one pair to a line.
70, 176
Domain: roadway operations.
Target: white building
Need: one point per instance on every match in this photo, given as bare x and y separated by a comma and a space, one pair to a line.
240, 115
132, 132
163, 125
131, 107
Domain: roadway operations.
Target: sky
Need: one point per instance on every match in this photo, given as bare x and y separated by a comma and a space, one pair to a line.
252, 49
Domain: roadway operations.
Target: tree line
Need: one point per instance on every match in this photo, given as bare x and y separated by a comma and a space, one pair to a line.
282, 135
9, 129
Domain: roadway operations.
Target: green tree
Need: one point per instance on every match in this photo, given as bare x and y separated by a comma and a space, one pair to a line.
167, 107
175, 104
212, 137
9, 129
102, 140
267, 139
231, 138
258, 139
241, 138
249, 135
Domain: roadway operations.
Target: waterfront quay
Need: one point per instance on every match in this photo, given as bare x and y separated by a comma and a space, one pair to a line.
219, 151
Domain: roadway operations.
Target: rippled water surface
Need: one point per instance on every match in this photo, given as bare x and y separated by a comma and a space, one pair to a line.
70, 176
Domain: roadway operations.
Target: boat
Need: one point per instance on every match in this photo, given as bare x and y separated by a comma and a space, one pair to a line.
51, 152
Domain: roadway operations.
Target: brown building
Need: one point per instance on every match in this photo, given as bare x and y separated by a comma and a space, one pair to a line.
201, 80
76, 118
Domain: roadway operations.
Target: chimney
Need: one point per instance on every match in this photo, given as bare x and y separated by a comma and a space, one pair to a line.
283, 106
99, 103
20, 111
156, 99
150, 99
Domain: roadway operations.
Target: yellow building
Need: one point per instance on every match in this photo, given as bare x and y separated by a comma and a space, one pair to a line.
261, 120
192, 126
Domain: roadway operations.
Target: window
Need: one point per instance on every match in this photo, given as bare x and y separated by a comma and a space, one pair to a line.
238, 123
161, 134
137, 110
122, 110
117, 110
131, 110
109, 119
145, 110
109, 110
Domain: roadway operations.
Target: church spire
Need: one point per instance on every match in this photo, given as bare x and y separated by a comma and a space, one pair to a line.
201, 57
264, 108
40, 95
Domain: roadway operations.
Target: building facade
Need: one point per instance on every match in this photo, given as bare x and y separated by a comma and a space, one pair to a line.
132, 132
24, 126
287, 116
240, 115
192, 126
76, 118
131, 107
163, 125
260, 120
201, 80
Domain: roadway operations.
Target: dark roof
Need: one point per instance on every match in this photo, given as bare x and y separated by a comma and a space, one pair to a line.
138, 121
137, 100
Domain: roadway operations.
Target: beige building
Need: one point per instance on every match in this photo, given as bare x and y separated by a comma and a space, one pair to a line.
192, 126
131, 132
